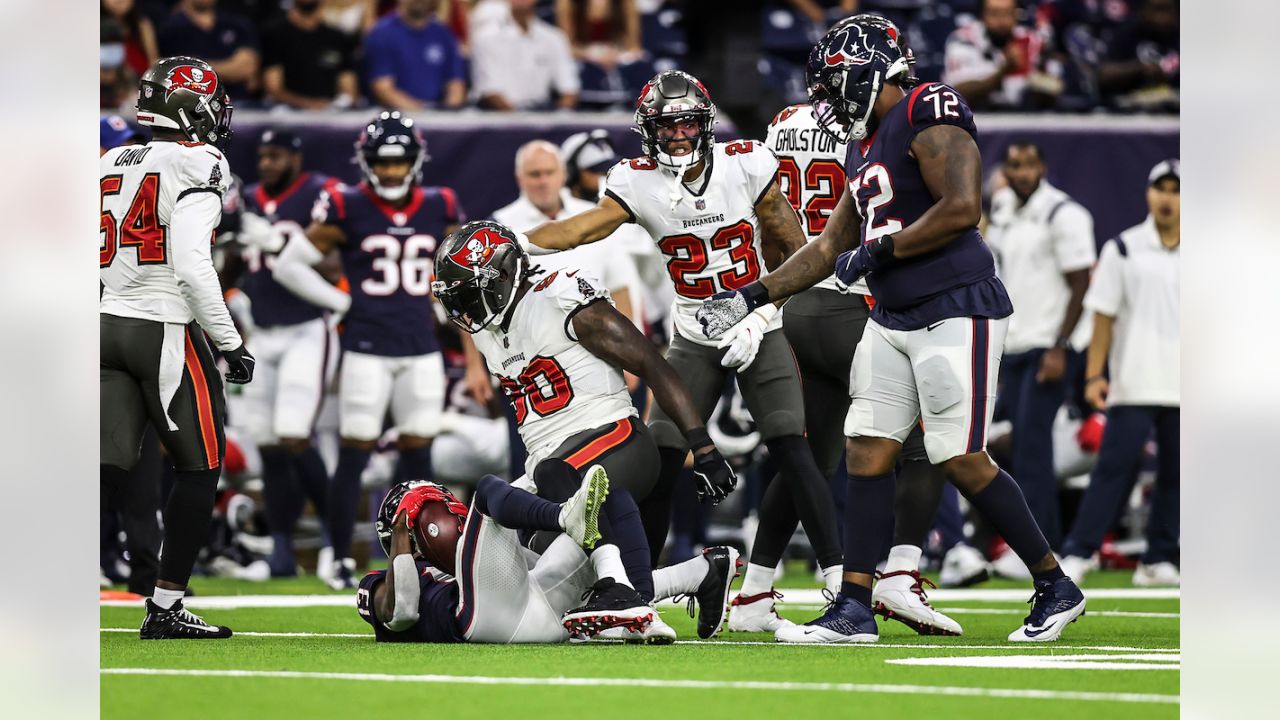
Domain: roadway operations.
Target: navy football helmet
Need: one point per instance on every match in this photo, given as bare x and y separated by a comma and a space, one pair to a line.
391, 136
675, 96
847, 71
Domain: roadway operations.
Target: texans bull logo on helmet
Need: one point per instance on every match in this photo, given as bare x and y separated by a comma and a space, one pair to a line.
862, 54
190, 77
479, 248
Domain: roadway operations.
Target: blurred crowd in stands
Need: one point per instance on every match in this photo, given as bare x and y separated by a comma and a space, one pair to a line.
504, 55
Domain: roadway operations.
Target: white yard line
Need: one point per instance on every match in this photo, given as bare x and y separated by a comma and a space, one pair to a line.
791, 598
879, 688
1126, 661
846, 646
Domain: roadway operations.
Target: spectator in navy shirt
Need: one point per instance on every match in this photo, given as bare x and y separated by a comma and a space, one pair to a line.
226, 41
307, 64
413, 60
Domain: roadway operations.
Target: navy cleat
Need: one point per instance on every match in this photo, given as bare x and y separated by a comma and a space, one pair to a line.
845, 621
1054, 605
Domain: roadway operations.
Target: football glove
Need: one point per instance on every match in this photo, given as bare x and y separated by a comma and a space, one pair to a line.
856, 264
726, 309
715, 479
743, 340
240, 364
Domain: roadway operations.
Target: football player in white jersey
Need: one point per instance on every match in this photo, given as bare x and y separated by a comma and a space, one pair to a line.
716, 214
823, 325
559, 348
160, 295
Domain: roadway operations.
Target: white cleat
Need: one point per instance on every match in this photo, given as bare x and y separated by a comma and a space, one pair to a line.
962, 566
580, 514
324, 564
756, 613
1077, 567
900, 596
1161, 574
1010, 566
658, 632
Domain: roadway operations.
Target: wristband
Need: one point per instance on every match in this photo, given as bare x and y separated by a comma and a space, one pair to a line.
698, 439
881, 249
756, 294
1062, 343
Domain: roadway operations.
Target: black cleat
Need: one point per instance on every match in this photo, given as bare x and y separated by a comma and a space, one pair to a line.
609, 604
178, 623
713, 594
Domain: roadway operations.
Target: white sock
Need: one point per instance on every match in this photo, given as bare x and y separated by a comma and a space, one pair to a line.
166, 598
677, 579
832, 577
608, 564
759, 579
903, 558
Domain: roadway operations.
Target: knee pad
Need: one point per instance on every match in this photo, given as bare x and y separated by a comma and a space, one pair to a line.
939, 387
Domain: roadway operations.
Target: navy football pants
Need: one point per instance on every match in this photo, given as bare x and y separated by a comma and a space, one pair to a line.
1128, 429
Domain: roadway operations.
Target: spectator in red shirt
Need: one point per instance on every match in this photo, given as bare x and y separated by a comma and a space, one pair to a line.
140, 48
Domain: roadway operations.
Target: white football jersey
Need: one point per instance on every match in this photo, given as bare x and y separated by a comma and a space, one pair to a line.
711, 239
140, 185
558, 387
810, 173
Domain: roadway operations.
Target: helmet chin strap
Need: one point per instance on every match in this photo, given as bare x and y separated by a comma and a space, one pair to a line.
680, 166
859, 129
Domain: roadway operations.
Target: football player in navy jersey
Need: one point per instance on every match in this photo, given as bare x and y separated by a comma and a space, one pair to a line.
931, 350
295, 346
386, 228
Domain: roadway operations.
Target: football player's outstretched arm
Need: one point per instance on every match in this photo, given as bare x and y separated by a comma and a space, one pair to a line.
815, 261
952, 170
295, 267
595, 224
780, 231
395, 599
611, 337
190, 227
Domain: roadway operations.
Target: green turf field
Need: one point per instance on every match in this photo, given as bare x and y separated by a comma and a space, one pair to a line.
317, 661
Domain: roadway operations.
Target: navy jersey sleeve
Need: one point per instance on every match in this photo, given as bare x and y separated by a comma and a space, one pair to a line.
939, 104
437, 607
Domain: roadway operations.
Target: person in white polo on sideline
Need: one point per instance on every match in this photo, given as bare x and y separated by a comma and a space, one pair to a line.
1134, 298
1044, 245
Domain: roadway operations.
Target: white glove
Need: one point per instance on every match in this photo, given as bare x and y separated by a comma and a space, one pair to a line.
743, 340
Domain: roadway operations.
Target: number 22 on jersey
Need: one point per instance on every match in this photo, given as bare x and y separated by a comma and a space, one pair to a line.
140, 227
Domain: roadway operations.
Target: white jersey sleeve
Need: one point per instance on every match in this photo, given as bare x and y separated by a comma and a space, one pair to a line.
710, 240
150, 267
557, 387
810, 173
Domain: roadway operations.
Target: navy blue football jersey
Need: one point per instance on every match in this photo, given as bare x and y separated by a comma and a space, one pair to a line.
437, 606
956, 280
290, 211
387, 258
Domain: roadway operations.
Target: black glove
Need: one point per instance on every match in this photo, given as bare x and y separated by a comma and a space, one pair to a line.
715, 478
239, 365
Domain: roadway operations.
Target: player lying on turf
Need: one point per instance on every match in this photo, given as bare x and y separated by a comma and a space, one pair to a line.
559, 348
459, 575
